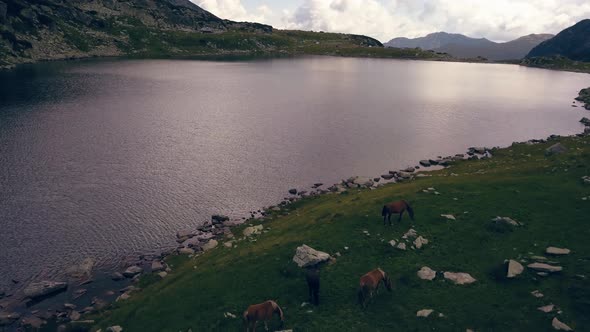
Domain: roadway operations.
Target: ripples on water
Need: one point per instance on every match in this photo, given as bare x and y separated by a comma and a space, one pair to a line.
103, 159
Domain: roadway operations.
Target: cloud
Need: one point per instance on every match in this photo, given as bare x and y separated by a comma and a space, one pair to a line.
235, 10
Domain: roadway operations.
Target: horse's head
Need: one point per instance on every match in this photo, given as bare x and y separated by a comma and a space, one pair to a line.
387, 282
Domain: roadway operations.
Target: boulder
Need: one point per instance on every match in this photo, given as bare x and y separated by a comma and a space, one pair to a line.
424, 313
514, 269
157, 266
411, 233
186, 251
557, 251
448, 216
33, 322
546, 309
184, 235
115, 328
542, 267
306, 256
409, 170
82, 270
584, 120
44, 288
194, 242
253, 230
426, 273
459, 278
387, 176
401, 246
293, 191
132, 271
116, 276
210, 245
163, 274
537, 294
559, 326
555, 149
425, 163
74, 315
506, 221
218, 218
419, 242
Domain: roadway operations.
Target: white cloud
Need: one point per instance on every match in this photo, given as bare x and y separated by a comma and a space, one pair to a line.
385, 19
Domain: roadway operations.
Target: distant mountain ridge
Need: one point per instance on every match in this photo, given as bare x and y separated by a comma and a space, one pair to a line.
461, 46
572, 43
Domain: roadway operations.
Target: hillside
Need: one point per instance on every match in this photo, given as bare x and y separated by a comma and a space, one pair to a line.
33, 31
572, 43
544, 193
469, 48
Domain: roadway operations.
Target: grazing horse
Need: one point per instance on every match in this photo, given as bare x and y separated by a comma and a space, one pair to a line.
369, 284
263, 311
396, 207
312, 276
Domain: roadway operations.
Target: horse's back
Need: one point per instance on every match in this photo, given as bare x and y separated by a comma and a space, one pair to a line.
396, 206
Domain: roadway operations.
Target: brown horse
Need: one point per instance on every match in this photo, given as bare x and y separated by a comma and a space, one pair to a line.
263, 311
312, 276
396, 207
369, 284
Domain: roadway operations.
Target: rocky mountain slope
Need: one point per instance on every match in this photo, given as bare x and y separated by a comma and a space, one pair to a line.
465, 47
572, 43
33, 30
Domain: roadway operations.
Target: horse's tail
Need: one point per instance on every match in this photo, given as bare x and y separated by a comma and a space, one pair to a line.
410, 210
245, 319
280, 311
384, 211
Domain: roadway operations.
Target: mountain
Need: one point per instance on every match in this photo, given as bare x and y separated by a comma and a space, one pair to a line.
34, 30
465, 47
572, 43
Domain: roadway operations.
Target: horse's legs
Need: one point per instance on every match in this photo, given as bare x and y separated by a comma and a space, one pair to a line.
389, 218
400, 216
266, 325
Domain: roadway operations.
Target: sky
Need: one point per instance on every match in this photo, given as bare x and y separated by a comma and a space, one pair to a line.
498, 20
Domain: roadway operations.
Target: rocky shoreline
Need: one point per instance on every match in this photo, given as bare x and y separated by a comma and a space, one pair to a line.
86, 292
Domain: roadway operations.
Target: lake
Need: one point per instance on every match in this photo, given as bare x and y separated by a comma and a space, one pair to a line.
110, 158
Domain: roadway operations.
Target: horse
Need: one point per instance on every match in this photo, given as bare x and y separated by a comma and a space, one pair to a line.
312, 276
262, 311
396, 207
369, 284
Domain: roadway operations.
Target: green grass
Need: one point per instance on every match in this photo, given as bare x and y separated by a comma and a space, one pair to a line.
520, 182
557, 63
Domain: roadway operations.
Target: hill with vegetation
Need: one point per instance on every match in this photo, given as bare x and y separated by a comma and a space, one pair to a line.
546, 195
572, 43
60, 29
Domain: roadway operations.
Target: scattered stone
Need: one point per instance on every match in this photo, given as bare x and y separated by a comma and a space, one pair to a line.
425, 163
547, 309
411, 233
542, 267
459, 278
132, 271
558, 325
585, 121
115, 328
44, 288
387, 176
392, 243
306, 256
586, 179
163, 274
253, 230
555, 149
448, 216
186, 251
229, 315
69, 306
424, 313
74, 315
82, 270
123, 297
426, 273
557, 251
506, 221
537, 294
219, 218
186, 234
157, 266
514, 269
228, 244
419, 242
293, 191
33, 322
401, 246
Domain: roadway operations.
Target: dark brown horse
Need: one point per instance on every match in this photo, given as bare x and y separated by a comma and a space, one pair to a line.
264, 312
396, 207
312, 276
369, 284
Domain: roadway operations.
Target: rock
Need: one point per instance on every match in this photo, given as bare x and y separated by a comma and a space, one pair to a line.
558, 325
293, 191
186, 234
163, 274
506, 221
411, 233
210, 245
69, 306
585, 121
306, 256
253, 230
555, 149
392, 243
514, 269
228, 244
557, 251
424, 313
459, 278
132, 271
115, 328
537, 294
401, 246
387, 176
448, 216
82, 270
74, 315
7, 318
586, 179
219, 218
33, 322
229, 315
186, 251
405, 175
426, 273
123, 297
44, 288
547, 309
116, 276
542, 267
409, 170
425, 163
157, 266
419, 242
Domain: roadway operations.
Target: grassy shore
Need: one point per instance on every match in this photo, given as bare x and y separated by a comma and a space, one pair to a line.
544, 193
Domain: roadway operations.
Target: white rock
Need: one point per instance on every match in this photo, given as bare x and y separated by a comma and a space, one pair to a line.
506, 220
43, 288
411, 233
514, 269
424, 313
82, 270
401, 246
132, 271
157, 266
448, 216
210, 245
115, 328
228, 244
186, 251
542, 267
426, 273
537, 294
123, 297
547, 308
163, 274
419, 242
229, 315
306, 256
392, 243
253, 230
557, 251
559, 325
459, 278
